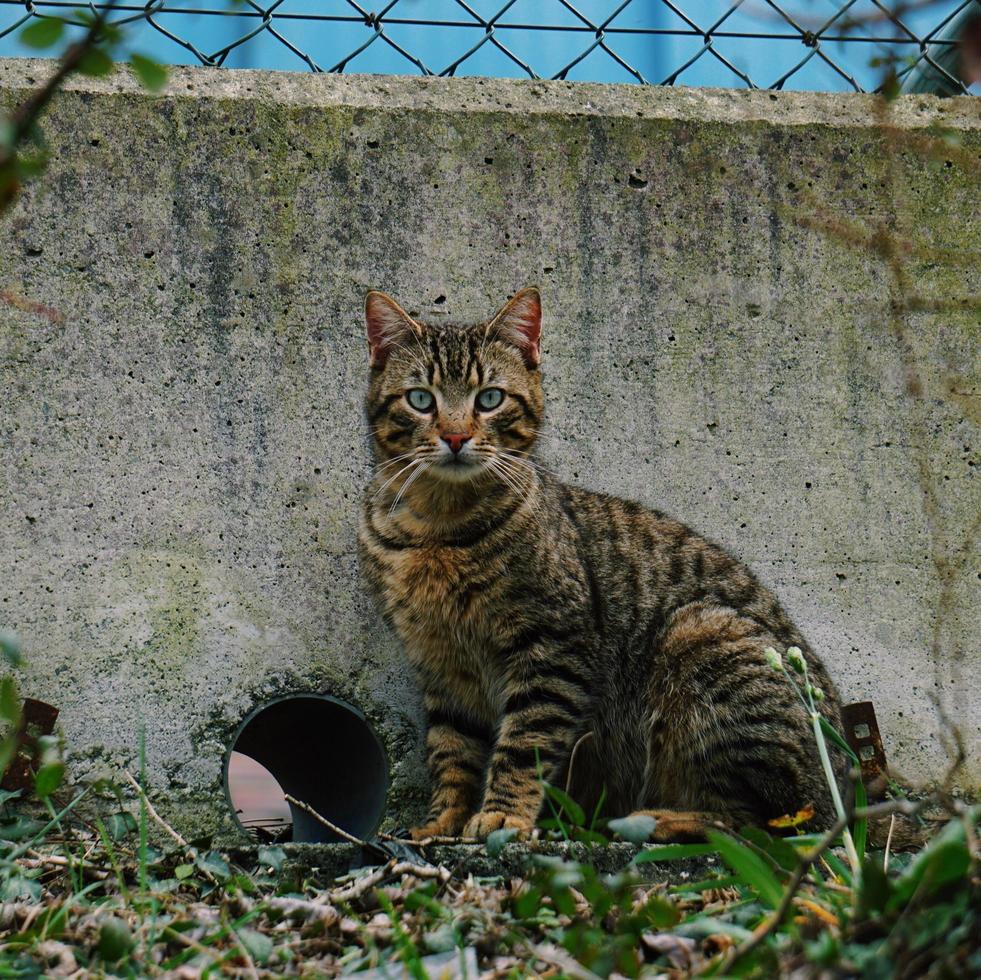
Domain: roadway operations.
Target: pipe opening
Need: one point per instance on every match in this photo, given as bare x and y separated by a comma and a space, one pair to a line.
317, 749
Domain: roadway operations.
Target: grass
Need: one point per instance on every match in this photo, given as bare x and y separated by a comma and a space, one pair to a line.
95, 890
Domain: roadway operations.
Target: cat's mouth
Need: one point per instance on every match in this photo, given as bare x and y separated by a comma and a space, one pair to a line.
458, 468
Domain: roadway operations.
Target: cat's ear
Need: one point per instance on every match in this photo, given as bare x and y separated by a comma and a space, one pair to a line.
388, 325
519, 323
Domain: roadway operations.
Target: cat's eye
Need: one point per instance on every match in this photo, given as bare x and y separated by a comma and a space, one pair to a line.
420, 399
489, 398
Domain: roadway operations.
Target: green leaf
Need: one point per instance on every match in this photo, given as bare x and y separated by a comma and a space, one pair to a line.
566, 803
260, 946
749, 866
9, 702
214, 863
19, 828
526, 904
422, 898
707, 926
42, 33
776, 847
673, 852
9, 644
636, 828
16, 886
95, 63
120, 824
660, 913
838, 867
272, 857
496, 840
115, 940
832, 733
48, 779
875, 889
6, 795
152, 75
706, 884
944, 859
183, 871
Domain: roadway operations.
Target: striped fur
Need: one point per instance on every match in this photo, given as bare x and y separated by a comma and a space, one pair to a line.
541, 617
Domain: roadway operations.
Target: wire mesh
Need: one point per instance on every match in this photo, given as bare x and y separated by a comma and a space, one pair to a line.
809, 44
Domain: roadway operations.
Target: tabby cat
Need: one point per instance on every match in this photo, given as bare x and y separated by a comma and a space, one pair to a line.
557, 631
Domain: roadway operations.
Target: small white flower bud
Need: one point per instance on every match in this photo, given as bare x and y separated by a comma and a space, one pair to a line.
773, 658
795, 658
817, 694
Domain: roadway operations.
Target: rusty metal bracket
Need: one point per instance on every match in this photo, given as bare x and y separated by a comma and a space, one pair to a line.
862, 734
37, 718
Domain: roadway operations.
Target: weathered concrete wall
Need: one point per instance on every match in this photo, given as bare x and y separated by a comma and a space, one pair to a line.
183, 447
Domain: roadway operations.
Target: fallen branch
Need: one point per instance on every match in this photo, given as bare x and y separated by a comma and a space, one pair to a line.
166, 826
340, 831
390, 870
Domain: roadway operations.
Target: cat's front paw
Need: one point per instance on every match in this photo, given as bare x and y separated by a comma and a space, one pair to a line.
487, 821
448, 824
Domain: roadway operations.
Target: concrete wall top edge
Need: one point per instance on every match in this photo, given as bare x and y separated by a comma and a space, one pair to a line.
522, 96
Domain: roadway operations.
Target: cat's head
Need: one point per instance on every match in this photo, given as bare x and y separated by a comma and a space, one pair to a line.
458, 402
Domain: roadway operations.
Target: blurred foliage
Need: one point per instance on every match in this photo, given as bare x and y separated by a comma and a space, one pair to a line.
23, 150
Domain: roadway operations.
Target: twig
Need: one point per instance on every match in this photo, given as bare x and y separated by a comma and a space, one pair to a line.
390, 870
326, 913
57, 861
427, 841
321, 819
166, 826
187, 941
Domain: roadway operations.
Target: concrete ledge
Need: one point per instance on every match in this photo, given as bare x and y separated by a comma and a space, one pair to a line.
519, 97
182, 447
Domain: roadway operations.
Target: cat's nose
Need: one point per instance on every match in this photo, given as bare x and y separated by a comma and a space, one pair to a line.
455, 440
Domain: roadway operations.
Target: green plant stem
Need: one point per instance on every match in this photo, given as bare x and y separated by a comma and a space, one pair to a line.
829, 775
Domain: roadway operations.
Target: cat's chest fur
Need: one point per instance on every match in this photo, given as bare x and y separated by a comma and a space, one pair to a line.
443, 606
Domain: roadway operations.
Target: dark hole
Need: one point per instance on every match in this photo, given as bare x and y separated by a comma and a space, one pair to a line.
317, 749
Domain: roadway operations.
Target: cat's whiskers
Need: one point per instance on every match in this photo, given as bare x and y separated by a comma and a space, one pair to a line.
505, 469
408, 483
392, 479
394, 459
529, 461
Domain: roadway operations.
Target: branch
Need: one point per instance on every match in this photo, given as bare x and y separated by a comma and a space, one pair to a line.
340, 831
25, 116
166, 826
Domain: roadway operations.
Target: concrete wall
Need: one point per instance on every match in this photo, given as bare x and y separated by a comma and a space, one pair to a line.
182, 447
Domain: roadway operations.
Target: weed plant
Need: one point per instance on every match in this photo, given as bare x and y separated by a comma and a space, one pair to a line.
113, 891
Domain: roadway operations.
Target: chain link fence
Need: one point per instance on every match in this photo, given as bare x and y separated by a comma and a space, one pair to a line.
845, 45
